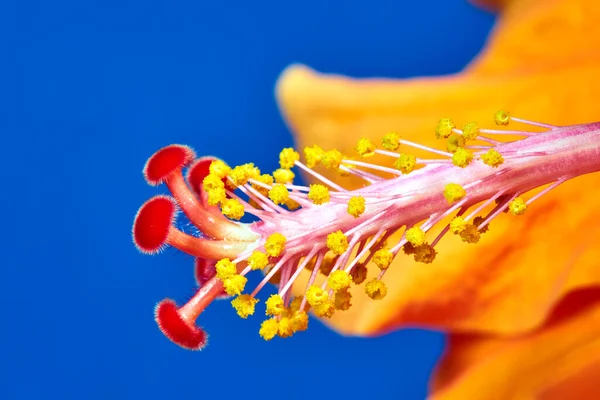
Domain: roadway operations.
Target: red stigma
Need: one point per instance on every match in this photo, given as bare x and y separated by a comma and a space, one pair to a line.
162, 164
152, 222
173, 323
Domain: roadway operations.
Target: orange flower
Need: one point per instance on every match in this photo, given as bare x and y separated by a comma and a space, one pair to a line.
541, 62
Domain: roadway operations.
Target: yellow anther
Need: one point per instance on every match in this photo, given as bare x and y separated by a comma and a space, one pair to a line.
324, 309
211, 182
391, 141
492, 158
232, 208
219, 168
356, 206
359, 273
318, 194
274, 305
275, 244
517, 206
242, 173
235, 284
279, 194
285, 328
288, 157
225, 268
454, 192
292, 205
296, 303
268, 329
342, 300
327, 264
425, 254
315, 295
444, 128
462, 157
406, 163
258, 260
415, 236
313, 155
375, 289
455, 142
332, 159
339, 280
365, 148
383, 258
478, 221
244, 305
299, 321
337, 242
501, 117
471, 131
216, 195
267, 180
282, 175
457, 225
470, 234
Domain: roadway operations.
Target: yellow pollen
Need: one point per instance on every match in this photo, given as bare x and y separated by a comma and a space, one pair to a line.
332, 159
365, 148
242, 173
517, 206
232, 208
267, 180
342, 300
501, 117
244, 305
444, 128
268, 329
425, 253
279, 194
212, 181
275, 244
478, 221
216, 195
315, 295
492, 158
462, 157
415, 236
356, 206
285, 328
296, 303
292, 205
457, 225
383, 258
235, 284
219, 168
406, 163
299, 321
454, 192
225, 268
318, 194
337, 242
391, 141
471, 131
258, 260
313, 155
339, 280
288, 157
274, 305
359, 273
328, 263
375, 289
470, 234
325, 309
455, 142
282, 175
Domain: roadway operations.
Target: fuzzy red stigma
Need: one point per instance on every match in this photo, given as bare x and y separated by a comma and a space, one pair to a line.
152, 222
204, 270
166, 161
175, 325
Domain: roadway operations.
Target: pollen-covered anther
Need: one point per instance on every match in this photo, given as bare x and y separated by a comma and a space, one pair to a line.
391, 141
326, 309
406, 163
235, 284
318, 194
365, 148
337, 242
288, 157
453, 192
299, 321
178, 324
275, 305
225, 268
492, 158
383, 258
457, 225
470, 234
268, 329
332, 159
501, 117
424, 253
313, 155
279, 194
232, 208
339, 280
356, 206
342, 300
219, 168
471, 131
244, 304
462, 157
258, 260
375, 289
283, 175
478, 221
215, 188
444, 128
415, 236
517, 206
315, 295
284, 329
455, 142
359, 273
275, 244
241, 174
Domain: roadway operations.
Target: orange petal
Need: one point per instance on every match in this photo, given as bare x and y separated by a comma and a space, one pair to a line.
561, 360
510, 281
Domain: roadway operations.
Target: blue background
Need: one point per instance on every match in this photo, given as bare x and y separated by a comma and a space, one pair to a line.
90, 89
